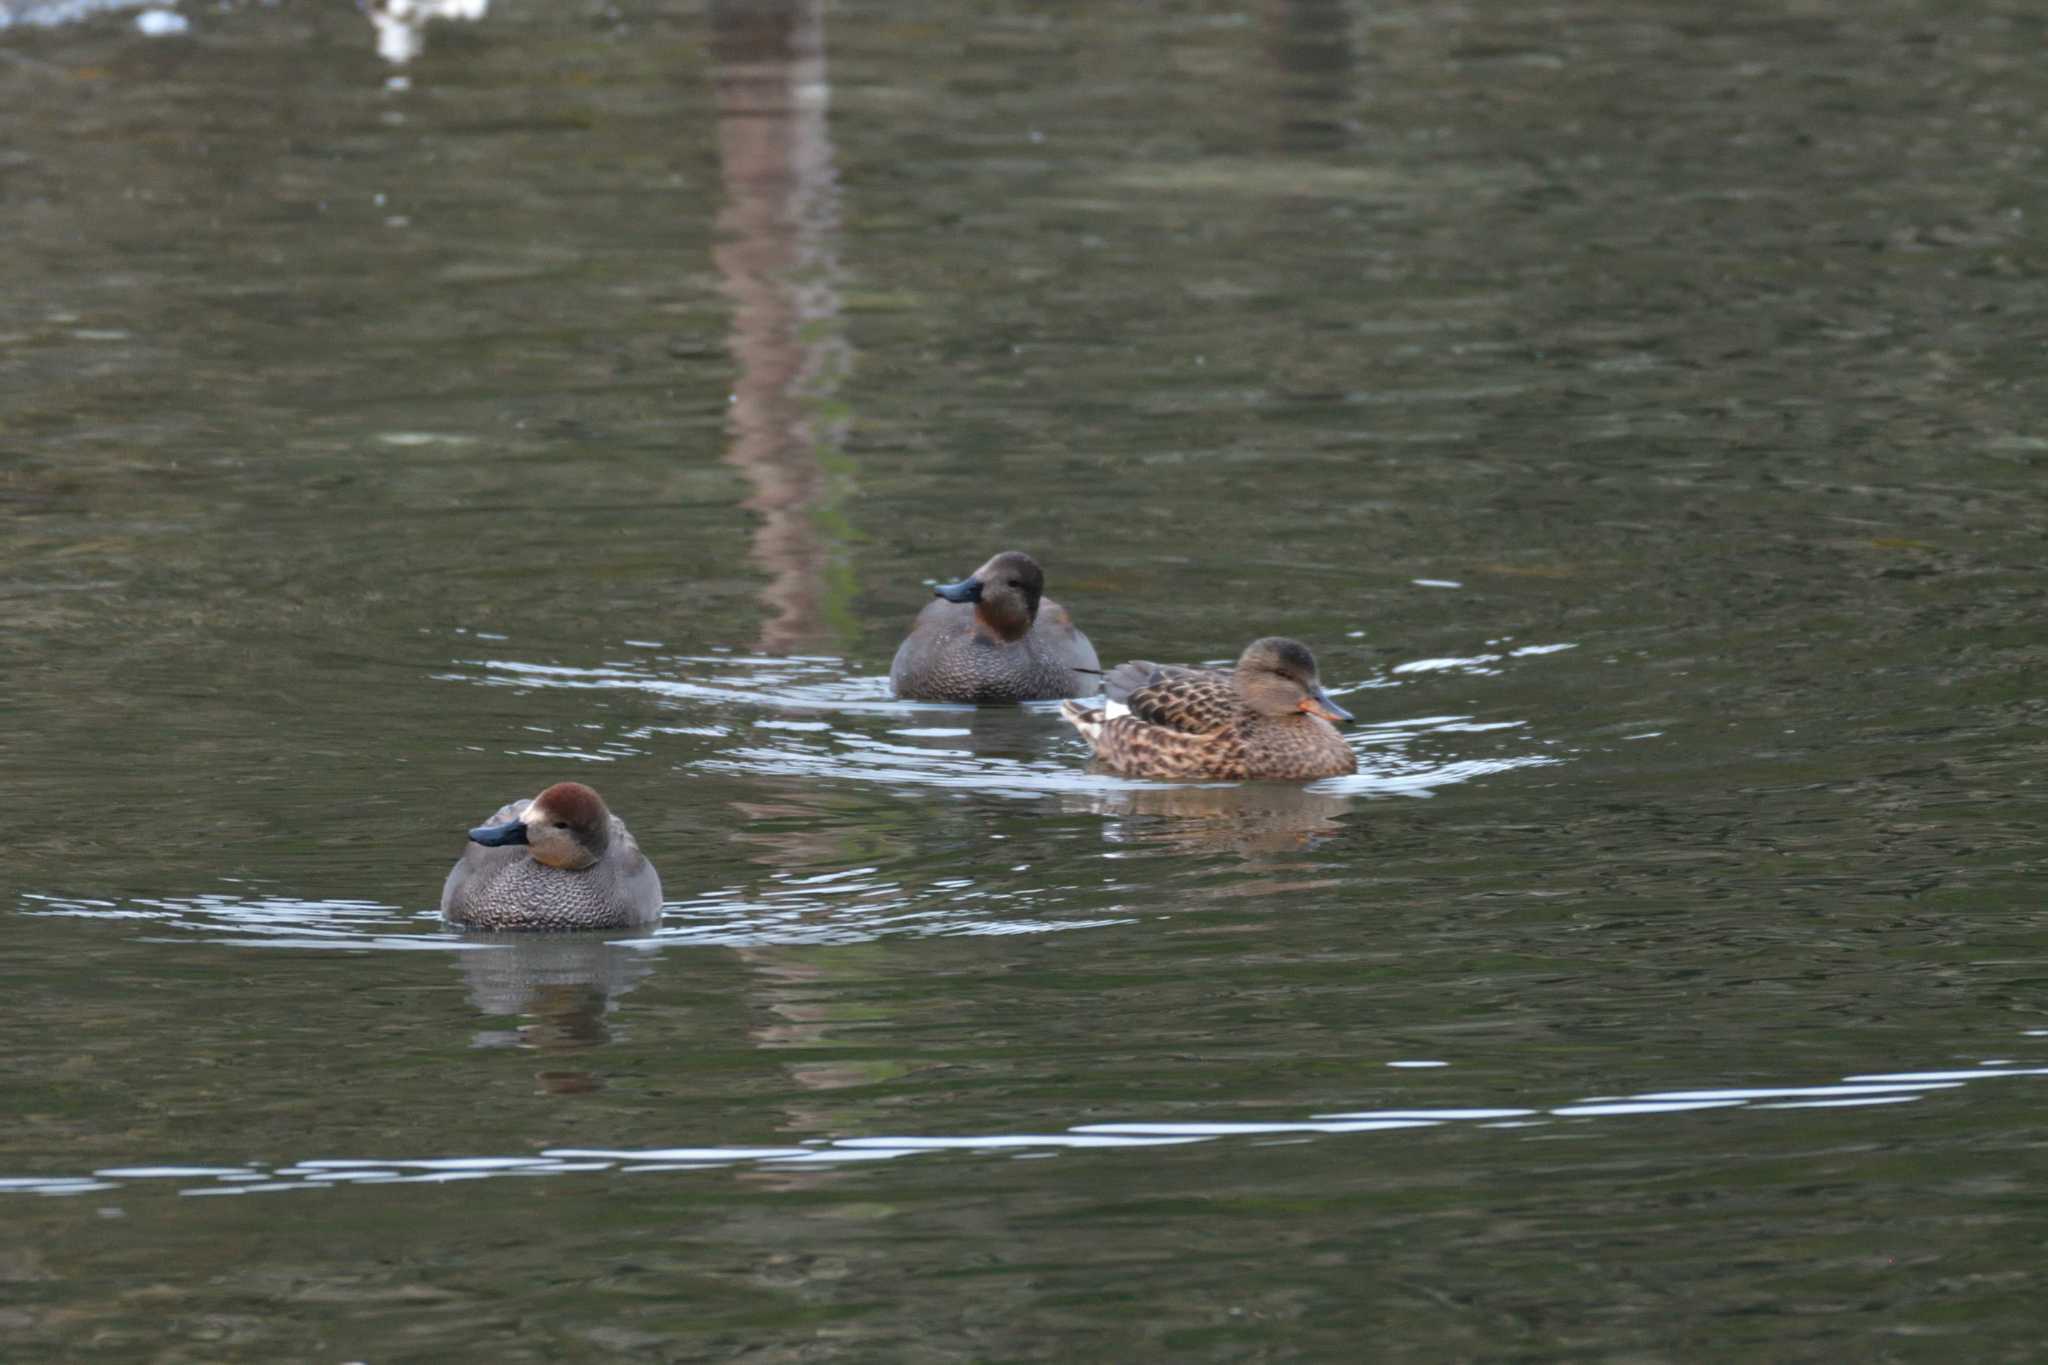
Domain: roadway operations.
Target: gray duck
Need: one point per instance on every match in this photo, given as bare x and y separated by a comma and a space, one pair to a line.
995, 637
561, 860
1266, 719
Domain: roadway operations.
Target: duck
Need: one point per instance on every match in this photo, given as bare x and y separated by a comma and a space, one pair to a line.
1267, 719
995, 637
559, 860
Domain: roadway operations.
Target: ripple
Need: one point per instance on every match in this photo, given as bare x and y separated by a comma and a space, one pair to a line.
799, 683
853, 905
51, 13
1400, 757
339, 1173
255, 920
1478, 665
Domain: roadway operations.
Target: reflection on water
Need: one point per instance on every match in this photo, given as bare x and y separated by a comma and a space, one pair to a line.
852, 729
800, 682
562, 985
1571, 377
861, 907
49, 13
1310, 45
258, 920
847, 905
1252, 818
778, 258
1874, 1090
402, 24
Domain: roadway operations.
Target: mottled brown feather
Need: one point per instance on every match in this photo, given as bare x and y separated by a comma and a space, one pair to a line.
1194, 701
1198, 723
1248, 748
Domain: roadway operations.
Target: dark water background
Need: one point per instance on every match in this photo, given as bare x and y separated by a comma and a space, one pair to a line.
1638, 406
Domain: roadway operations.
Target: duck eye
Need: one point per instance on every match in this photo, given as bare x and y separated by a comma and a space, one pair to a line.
561, 824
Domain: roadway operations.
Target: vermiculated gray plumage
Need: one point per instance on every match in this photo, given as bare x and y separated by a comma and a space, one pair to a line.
505, 888
995, 637
946, 659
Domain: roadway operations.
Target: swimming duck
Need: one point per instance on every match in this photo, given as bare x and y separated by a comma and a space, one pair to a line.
995, 637
1268, 718
559, 861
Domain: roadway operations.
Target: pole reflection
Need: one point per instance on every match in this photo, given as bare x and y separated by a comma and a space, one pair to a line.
1310, 45
778, 259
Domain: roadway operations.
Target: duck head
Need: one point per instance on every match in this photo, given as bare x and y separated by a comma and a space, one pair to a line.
567, 826
1005, 593
1277, 677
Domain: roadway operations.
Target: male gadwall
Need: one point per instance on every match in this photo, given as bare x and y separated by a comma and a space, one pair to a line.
559, 861
995, 637
1268, 718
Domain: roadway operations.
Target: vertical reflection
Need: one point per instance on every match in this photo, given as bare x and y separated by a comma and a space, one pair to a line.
778, 258
560, 987
1310, 44
805, 1002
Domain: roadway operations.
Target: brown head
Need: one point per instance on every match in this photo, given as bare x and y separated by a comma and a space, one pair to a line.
1277, 677
1005, 592
566, 826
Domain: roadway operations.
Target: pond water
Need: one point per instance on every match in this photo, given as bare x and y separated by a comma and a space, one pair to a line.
1638, 407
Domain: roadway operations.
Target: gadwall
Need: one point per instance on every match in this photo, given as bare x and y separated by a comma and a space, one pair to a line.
1268, 718
995, 637
558, 861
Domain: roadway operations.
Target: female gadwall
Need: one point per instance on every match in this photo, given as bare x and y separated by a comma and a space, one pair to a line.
995, 637
1268, 718
558, 861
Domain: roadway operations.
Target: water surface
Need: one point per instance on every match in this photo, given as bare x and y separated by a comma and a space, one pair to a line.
1637, 408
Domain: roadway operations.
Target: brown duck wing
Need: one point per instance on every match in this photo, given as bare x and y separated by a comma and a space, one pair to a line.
1124, 679
1194, 701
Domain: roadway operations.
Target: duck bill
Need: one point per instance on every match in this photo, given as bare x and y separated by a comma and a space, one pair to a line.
1318, 703
495, 836
966, 590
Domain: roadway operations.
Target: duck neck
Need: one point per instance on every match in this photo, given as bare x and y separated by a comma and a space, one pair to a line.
1008, 626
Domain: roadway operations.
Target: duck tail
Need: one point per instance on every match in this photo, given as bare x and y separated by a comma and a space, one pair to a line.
1086, 719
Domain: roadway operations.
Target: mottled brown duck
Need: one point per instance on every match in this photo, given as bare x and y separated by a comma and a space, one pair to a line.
1267, 719
561, 860
995, 637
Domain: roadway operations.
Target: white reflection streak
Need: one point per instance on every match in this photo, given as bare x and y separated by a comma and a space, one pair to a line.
402, 24
846, 906
837, 755
333, 1172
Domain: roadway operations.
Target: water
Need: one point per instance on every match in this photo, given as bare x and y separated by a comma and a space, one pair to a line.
1636, 407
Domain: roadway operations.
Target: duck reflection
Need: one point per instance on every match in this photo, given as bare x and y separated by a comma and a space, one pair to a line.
1251, 819
560, 986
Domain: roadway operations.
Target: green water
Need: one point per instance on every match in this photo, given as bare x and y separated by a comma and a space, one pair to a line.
1638, 407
